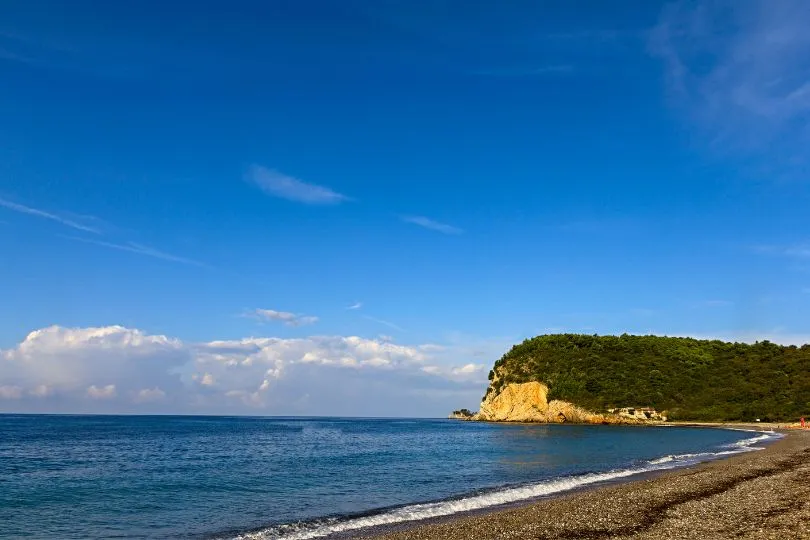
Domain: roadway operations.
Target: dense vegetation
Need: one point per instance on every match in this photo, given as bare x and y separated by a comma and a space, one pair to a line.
690, 379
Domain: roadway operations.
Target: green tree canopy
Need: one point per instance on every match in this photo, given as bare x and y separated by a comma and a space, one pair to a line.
691, 379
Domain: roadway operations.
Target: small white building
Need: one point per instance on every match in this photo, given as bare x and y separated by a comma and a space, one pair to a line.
639, 413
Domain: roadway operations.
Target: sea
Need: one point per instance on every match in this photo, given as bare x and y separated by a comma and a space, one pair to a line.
245, 478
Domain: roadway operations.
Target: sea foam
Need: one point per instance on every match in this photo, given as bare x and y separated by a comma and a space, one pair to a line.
415, 512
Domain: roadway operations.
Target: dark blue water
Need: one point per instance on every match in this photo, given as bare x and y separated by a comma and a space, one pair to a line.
215, 477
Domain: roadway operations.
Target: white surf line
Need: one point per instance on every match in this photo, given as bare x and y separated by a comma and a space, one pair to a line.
417, 512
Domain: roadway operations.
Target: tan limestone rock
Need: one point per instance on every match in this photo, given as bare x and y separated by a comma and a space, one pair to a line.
528, 402
525, 402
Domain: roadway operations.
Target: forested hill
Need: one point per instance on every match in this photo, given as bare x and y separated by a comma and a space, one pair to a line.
691, 379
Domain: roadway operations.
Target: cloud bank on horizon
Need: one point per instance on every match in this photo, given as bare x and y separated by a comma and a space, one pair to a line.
121, 370
115, 369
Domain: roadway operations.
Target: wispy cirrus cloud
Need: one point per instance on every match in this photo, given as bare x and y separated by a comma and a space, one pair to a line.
36, 212
80, 222
139, 249
742, 74
355, 306
286, 317
287, 187
431, 224
384, 323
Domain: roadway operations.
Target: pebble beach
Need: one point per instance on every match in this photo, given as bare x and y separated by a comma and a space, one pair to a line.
762, 494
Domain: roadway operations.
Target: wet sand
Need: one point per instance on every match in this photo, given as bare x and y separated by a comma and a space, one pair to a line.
757, 495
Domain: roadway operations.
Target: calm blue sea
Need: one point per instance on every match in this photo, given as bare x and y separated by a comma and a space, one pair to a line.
296, 478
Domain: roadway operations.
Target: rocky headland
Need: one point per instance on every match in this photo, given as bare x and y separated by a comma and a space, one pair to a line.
528, 402
577, 378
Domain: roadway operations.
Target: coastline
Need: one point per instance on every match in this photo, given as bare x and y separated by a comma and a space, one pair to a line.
758, 494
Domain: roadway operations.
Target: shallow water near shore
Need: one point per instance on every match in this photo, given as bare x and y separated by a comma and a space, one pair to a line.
299, 478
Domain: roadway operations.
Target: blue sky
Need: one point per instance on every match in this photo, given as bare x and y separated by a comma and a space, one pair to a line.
462, 178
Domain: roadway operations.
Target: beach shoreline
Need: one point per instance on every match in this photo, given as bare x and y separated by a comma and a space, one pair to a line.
759, 494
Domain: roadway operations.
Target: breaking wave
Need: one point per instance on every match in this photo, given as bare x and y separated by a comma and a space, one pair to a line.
334, 525
745, 445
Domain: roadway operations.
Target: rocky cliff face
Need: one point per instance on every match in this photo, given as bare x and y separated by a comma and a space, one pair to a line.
528, 402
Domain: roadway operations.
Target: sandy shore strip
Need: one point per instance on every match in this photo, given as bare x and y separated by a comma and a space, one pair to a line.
756, 495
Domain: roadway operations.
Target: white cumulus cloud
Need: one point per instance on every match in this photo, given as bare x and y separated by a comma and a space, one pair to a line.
467, 369
286, 317
148, 395
139, 249
40, 391
105, 392
76, 369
